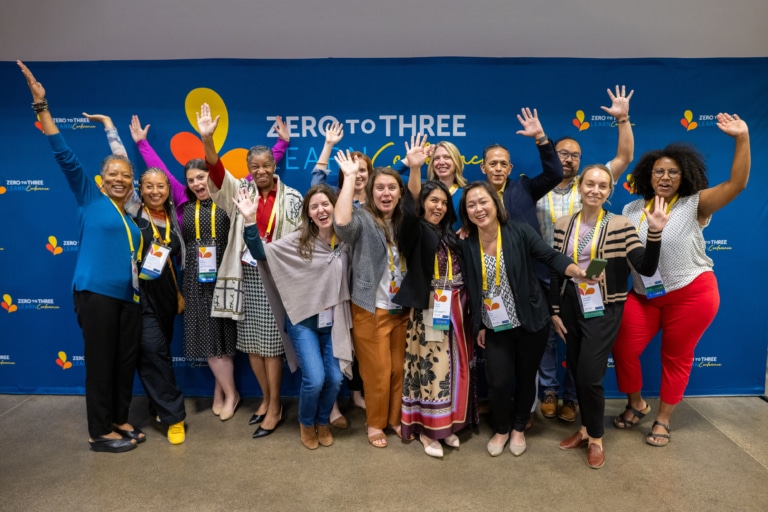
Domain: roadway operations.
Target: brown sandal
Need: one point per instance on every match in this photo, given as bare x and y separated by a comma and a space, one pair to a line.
621, 421
378, 436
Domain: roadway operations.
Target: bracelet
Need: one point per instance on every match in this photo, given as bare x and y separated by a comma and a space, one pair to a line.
321, 163
40, 106
541, 140
623, 121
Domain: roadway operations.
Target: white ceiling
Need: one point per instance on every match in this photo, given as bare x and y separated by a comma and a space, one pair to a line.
183, 29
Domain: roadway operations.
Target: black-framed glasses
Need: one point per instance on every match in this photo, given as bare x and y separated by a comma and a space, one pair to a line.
672, 173
565, 154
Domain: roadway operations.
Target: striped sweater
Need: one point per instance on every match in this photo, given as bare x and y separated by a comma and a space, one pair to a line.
619, 244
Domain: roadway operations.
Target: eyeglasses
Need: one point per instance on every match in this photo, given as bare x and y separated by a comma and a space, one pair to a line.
565, 154
672, 173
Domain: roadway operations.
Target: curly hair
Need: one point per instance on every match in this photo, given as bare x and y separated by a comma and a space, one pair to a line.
693, 171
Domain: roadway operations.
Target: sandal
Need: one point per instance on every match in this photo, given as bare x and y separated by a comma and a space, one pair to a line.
659, 440
378, 436
622, 422
398, 430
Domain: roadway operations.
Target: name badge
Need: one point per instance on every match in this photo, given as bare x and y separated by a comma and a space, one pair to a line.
154, 261
394, 287
325, 318
441, 311
135, 281
247, 258
654, 286
590, 300
497, 313
206, 264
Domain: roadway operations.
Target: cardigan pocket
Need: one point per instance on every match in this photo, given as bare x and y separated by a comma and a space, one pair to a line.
363, 285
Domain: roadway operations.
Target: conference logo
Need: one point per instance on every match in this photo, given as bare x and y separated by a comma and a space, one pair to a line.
8, 304
68, 123
24, 186
183, 362
5, 359
62, 361
691, 122
718, 245
579, 121
629, 184
3, 190
706, 362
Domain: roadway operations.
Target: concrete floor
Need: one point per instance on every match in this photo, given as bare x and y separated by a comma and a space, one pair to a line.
717, 460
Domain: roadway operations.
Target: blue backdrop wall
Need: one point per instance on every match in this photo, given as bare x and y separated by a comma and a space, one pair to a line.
469, 101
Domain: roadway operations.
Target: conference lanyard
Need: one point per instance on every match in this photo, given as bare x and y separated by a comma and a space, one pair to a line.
648, 205
498, 261
271, 220
197, 220
134, 256
449, 270
392, 264
593, 249
570, 205
155, 232
453, 188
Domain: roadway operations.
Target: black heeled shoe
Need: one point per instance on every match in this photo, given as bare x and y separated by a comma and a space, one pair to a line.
264, 432
103, 444
135, 434
256, 418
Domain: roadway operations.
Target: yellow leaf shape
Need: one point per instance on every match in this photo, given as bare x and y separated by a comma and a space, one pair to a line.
52, 240
580, 116
97, 179
688, 115
692, 126
63, 356
584, 126
195, 99
7, 299
583, 286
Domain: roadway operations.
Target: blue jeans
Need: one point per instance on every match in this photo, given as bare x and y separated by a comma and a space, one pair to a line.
320, 374
548, 371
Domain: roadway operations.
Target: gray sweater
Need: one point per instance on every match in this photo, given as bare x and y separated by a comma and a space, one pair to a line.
369, 257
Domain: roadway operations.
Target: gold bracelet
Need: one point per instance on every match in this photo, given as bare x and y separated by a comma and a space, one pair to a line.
321, 163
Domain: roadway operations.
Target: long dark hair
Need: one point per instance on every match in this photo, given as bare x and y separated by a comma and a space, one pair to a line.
195, 163
445, 228
693, 171
501, 213
169, 206
370, 206
309, 229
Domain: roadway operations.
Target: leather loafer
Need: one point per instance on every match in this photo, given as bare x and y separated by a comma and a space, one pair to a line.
256, 418
595, 456
574, 442
103, 444
135, 434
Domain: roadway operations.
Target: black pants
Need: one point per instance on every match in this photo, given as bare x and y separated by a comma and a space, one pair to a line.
512, 358
155, 367
589, 342
111, 333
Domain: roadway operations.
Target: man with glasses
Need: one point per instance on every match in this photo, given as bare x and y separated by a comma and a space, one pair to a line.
564, 199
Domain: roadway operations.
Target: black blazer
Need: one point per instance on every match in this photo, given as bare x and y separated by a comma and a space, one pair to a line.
521, 245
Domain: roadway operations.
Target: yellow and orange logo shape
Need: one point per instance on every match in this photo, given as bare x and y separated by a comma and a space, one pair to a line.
8, 304
62, 361
490, 305
688, 122
440, 297
203, 253
585, 289
579, 121
53, 246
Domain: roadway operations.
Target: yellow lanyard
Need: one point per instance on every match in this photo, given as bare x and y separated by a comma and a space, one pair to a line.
197, 220
155, 232
498, 260
648, 206
333, 242
449, 269
552, 202
392, 264
130, 237
453, 188
593, 249
501, 192
271, 219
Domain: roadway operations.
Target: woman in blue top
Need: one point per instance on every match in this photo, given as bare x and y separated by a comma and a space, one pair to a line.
105, 285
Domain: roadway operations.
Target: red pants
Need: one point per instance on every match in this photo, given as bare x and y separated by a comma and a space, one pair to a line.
682, 315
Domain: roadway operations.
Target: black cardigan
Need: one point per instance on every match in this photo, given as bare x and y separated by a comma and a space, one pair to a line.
521, 245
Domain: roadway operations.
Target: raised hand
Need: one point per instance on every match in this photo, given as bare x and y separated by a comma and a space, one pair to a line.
531, 124
347, 164
100, 118
334, 132
206, 125
658, 219
246, 205
418, 151
137, 132
619, 108
283, 133
35, 87
732, 125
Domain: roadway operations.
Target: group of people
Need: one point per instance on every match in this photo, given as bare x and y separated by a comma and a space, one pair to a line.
385, 283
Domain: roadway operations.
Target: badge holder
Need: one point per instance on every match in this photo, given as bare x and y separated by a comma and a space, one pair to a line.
590, 300
497, 313
325, 318
206, 264
154, 261
654, 286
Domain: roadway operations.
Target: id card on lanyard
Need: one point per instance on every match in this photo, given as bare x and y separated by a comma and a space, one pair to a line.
590, 298
325, 318
158, 254
134, 256
394, 283
654, 285
493, 304
206, 254
441, 309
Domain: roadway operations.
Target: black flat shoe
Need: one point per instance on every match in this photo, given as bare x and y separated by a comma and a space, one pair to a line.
103, 444
135, 434
263, 432
256, 418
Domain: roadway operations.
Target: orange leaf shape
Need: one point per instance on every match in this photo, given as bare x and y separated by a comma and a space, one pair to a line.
185, 146
684, 122
495, 305
576, 123
235, 162
590, 291
67, 365
60, 362
692, 126
5, 306
3, 190
12, 308
443, 298
58, 250
584, 126
39, 126
49, 247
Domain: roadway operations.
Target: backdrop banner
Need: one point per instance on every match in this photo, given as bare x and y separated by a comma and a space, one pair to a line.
471, 102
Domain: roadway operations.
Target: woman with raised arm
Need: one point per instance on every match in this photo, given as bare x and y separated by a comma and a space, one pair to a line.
239, 293
588, 317
307, 287
510, 315
105, 285
438, 383
682, 298
377, 269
